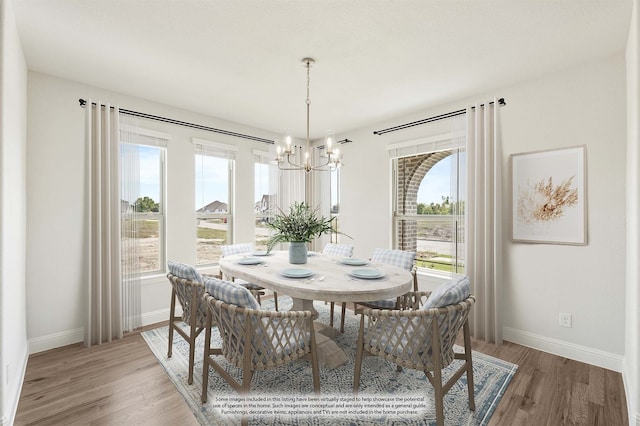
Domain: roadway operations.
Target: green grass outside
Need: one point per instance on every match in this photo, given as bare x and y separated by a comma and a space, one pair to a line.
212, 234
145, 229
426, 262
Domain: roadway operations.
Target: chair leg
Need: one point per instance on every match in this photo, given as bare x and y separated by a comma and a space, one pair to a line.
469, 363
439, 395
343, 312
437, 375
192, 355
171, 320
359, 355
331, 306
314, 360
275, 299
205, 358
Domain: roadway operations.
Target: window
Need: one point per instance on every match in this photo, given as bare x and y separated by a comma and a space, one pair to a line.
265, 198
429, 195
335, 203
213, 206
142, 204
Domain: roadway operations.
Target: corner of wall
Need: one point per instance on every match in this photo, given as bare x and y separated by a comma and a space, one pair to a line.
11, 408
634, 416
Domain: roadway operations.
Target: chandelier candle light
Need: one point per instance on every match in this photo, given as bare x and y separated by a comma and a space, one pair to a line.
284, 154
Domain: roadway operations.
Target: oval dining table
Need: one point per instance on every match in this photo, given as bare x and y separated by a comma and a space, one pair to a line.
330, 279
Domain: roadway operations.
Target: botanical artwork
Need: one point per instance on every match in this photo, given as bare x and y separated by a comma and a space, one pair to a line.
549, 197
544, 202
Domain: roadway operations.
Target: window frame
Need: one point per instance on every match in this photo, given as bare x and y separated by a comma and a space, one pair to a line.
433, 144
335, 236
226, 152
263, 158
159, 141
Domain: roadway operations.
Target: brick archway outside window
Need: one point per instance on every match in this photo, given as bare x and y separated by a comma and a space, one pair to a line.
411, 172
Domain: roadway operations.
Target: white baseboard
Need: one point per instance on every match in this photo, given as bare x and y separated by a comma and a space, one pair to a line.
56, 340
70, 337
580, 353
160, 315
10, 410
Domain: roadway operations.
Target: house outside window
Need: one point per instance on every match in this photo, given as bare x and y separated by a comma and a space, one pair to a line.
265, 199
213, 186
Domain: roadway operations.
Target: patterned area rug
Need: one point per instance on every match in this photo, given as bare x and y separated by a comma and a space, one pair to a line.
285, 395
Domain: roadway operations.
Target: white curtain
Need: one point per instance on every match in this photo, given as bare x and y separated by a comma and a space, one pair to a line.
458, 191
271, 186
103, 212
129, 221
292, 182
483, 208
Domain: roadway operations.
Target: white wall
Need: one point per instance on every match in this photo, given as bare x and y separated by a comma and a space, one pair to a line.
13, 140
581, 106
631, 368
56, 252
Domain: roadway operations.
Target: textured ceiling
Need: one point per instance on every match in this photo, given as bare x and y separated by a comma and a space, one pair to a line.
375, 60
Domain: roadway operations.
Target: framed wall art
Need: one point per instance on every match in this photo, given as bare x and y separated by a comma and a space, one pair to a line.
549, 196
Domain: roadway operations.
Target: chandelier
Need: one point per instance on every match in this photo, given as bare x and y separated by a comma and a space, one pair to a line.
285, 153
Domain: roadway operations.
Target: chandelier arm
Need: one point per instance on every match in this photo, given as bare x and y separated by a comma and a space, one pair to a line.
333, 160
299, 166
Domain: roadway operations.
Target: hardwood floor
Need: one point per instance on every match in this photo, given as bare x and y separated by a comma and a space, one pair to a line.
122, 383
118, 383
551, 390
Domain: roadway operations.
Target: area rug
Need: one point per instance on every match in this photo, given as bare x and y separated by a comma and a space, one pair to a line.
284, 396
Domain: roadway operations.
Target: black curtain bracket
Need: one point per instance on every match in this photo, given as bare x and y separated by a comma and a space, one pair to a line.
340, 142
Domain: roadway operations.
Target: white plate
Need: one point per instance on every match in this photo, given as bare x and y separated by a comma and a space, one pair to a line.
367, 273
297, 273
250, 261
353, 262
261, 253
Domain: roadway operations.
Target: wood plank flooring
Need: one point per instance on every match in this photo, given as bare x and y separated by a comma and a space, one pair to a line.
118, 383
122, 383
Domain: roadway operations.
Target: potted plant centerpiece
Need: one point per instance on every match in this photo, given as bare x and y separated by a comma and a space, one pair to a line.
300, 226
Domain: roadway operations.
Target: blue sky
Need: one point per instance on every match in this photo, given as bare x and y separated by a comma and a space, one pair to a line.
212, 180
438, 183
149, 170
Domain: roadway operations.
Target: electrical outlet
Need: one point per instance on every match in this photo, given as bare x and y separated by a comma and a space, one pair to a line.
565, 320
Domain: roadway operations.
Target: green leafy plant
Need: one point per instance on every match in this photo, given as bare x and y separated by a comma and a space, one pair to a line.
301, 224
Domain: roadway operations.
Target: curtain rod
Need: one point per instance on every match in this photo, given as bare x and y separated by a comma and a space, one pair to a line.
501, 102
184, 123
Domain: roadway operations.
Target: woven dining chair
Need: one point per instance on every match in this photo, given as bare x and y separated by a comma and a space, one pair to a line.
255, 289
188, 288
400, 258
254, 339
420, 335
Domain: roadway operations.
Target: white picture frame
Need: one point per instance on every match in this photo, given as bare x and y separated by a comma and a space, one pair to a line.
549, 196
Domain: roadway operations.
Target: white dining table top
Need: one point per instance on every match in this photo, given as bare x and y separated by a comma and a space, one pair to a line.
330, 280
